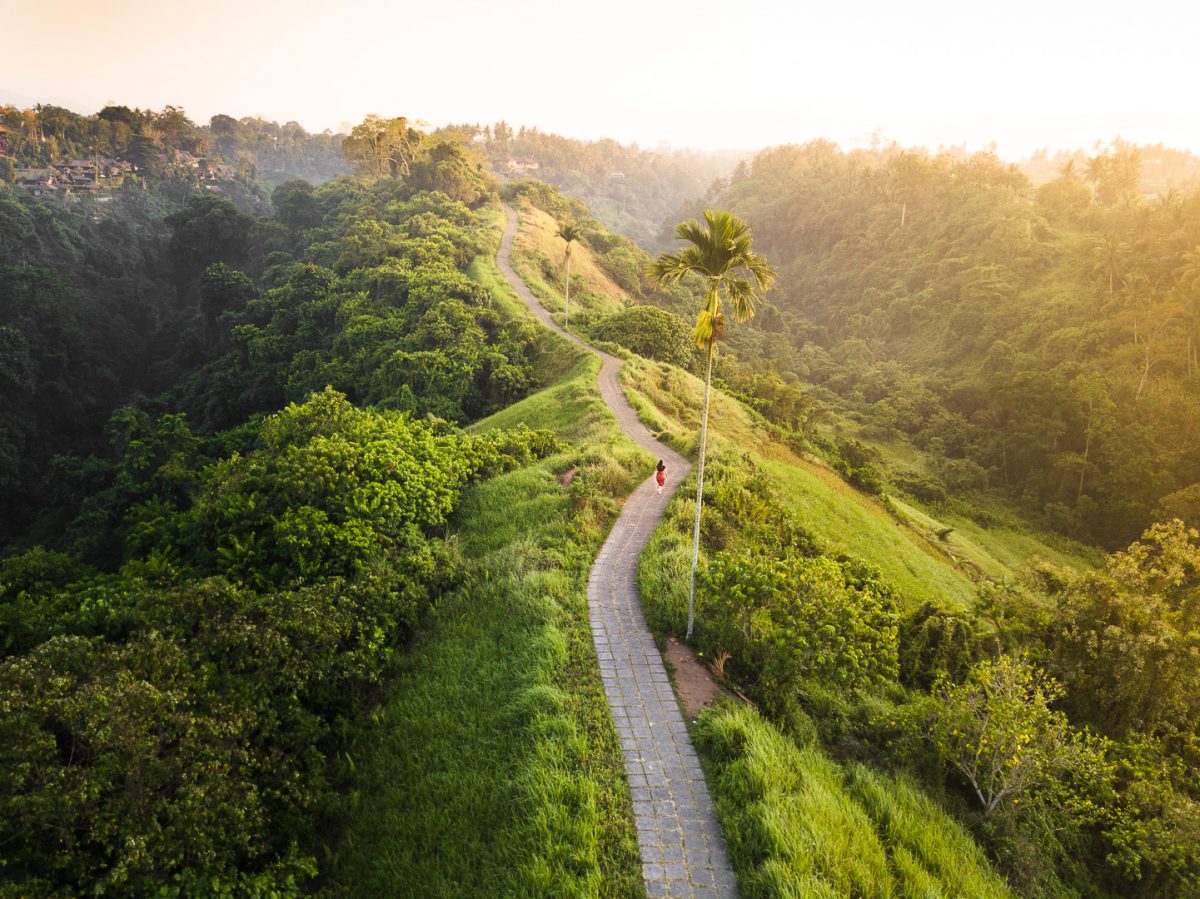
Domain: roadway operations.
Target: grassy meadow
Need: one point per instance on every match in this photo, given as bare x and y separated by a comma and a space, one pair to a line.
538, 258
494, 768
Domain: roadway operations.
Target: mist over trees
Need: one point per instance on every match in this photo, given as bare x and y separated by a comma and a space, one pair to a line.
1036, 342
630, 189
168, 144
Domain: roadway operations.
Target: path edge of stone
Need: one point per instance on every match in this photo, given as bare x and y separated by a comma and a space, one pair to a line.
680, 841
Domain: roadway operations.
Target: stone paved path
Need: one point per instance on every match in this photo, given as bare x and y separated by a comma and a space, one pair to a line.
683, 852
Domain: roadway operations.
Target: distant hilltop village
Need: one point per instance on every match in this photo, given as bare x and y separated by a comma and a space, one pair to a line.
99, 175
54, 154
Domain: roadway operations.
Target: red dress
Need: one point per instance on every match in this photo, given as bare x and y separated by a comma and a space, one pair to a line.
661, 477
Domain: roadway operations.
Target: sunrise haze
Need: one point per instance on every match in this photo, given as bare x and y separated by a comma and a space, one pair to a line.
701, 74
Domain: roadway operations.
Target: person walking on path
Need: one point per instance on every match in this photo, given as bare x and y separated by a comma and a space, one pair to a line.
660, 474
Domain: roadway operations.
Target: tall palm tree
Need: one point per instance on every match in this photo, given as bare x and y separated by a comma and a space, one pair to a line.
569, 233
1108, 259
719, 253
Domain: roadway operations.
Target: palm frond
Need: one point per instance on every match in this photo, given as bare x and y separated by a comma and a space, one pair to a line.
741, 298
570, 232
719, 251
667, 270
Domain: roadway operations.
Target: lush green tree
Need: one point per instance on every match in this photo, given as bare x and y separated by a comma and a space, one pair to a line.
998, 731
937, 644
1127, 638
720, 254
792, 619
382, 148
451, 168
222, 289
649, 331
208, 229
295, 205
147, 153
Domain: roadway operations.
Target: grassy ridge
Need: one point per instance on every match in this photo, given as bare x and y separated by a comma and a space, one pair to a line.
538, 258
494, 769
903, 547
800, 825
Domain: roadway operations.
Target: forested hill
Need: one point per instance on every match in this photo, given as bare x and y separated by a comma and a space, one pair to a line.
223, 570
1043, 343
265, 606
1157, 168
630, 189
164, 146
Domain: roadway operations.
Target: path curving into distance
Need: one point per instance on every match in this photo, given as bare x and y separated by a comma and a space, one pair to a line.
682, 849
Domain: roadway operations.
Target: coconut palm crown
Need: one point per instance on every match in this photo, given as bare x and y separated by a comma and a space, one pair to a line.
720, 253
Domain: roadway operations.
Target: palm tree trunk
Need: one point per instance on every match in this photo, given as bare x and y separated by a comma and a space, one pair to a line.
699, 489
1083, 468
1145, 374
567, 291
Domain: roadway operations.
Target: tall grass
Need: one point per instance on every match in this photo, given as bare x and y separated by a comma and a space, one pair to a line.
799, 825
494, 768
859, 527
932, 854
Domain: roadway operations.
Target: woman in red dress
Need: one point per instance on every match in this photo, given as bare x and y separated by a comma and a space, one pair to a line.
660, 474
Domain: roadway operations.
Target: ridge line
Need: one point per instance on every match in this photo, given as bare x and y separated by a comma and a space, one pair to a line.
679, 837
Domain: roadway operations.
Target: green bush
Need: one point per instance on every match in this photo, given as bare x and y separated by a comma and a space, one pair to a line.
648, 331
182, 720
795, 618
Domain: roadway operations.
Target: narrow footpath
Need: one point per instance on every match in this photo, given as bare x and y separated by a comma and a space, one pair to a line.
682, 849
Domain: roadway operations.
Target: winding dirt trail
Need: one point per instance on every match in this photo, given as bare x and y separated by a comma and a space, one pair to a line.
682, 849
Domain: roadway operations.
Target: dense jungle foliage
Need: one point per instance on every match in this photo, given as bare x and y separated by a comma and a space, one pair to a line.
1041, 344
230, 453
1057, 718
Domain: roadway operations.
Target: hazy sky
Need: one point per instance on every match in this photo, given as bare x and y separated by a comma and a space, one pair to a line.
703, 73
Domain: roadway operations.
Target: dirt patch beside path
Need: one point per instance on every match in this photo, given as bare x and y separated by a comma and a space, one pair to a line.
693, 681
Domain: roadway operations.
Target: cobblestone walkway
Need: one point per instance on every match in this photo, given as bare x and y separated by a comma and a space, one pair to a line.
683, 852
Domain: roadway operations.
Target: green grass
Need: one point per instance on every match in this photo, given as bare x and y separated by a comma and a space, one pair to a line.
931, 853
799, 825
909, 553
841, 518
483, 271
593, 292
997, 550
839, 522
1013, 546
845, 522
494, 769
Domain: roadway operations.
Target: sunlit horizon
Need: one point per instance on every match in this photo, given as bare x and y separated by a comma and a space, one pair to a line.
685, 75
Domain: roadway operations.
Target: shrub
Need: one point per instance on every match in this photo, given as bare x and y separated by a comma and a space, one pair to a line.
794, 618
648, 331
